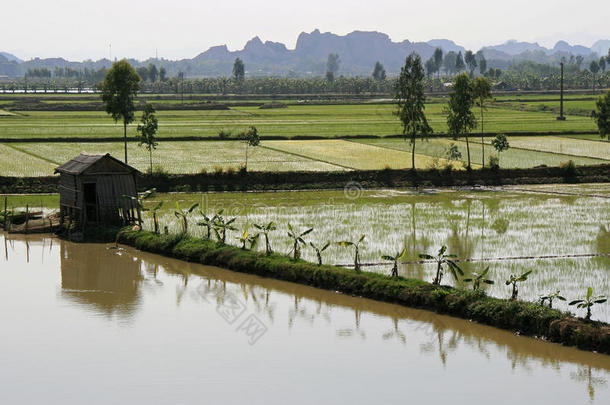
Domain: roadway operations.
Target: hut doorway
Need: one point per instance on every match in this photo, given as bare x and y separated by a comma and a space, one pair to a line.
90, 195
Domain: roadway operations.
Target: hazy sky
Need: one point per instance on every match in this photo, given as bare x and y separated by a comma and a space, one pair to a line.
81, 29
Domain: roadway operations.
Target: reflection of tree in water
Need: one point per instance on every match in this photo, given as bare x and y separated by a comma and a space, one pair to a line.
416, 244
584, 374
356, 331
438, 341
395, 333
602, 241
106, 280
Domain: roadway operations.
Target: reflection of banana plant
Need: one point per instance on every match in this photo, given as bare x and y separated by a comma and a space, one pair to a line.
208, 222
550, 298
395, 259
441, 260
589, 301
517, 279
319, 251
221, 226
184, 214
297, 240
265, 229
356, 246
478, 278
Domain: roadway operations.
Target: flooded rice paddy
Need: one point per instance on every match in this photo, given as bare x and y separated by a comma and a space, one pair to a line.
87, 323
561, 232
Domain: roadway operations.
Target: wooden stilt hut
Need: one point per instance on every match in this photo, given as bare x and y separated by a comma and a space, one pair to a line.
92, 190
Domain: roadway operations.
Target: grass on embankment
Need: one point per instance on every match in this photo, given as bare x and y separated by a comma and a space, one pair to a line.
527, 318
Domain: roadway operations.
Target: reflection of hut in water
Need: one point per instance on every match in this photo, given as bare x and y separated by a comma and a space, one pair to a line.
92, 275
91, 190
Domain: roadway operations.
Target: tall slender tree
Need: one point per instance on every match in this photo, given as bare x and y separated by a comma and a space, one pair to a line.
239, 71
459, 62
594, 68
602, 115
119, 88
438, 61
471, 62
379, 72
460, 119
482, 93
148, 129
411, 101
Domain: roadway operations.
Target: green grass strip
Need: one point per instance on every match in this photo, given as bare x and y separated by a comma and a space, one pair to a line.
527, 318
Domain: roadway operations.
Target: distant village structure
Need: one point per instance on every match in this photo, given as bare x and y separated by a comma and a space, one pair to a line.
97, 189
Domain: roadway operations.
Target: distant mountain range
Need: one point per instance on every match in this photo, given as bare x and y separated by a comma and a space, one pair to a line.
358, 52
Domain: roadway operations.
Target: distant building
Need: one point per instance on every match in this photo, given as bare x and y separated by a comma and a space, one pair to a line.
95, 189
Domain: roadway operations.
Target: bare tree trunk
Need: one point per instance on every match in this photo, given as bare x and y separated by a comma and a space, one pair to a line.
150, 155
125, 138
468, 151
482, 138
413, 152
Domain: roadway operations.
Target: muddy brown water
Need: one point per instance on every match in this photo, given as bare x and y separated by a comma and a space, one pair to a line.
86, 323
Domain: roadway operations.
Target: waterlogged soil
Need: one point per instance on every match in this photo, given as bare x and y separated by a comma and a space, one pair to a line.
89, 323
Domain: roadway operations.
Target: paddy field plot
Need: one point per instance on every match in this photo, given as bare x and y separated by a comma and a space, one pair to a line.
173, 157
514, 157
559, 145
355, 155
328, 121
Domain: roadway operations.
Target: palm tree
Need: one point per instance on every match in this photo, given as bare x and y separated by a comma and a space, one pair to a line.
319, 251
478, 278
297, 240
356, 245
399, 256
589, 301
441, 260
514, 280
265, 229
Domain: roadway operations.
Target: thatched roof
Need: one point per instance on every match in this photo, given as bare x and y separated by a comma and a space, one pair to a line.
86, 161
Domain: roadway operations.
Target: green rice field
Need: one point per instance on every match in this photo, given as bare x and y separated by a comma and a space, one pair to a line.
39, 159
295, 120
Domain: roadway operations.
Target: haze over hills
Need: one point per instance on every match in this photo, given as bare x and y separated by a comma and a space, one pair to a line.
358, 52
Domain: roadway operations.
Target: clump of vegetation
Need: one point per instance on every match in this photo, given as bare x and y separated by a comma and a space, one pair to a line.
602, 115
297, 241
441, 260
396, 258
551, 297
356, 246
500, 144
222, 225
265, 230
319, 251
588, 302
183, 215
478, 278
494, 162
513, 280
224, 134
568, 169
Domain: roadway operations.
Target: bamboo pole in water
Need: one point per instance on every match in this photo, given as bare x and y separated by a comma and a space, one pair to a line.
27, 217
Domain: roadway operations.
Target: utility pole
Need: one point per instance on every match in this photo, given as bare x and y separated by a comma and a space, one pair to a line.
561, 116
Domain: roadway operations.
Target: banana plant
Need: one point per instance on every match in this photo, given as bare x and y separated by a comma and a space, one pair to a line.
243, 239
356, 245
399, 256
297, 240
477, 278
184, 214
221, 226
265, 229
154, 213
319, 251
138, 201
253, 241
514, 280
209, 222
589, 301
551, 297
441, 260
